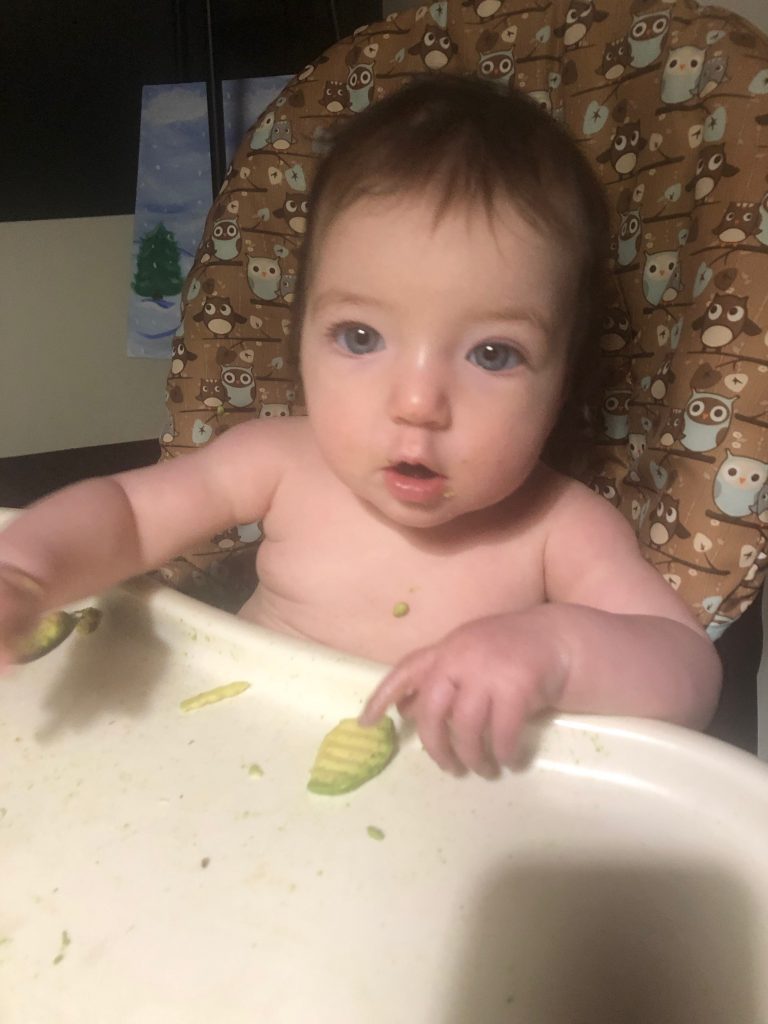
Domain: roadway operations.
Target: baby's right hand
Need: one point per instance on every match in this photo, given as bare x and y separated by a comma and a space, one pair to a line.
20, 607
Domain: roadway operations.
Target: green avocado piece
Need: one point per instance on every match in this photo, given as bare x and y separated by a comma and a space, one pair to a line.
351, 754
50, 631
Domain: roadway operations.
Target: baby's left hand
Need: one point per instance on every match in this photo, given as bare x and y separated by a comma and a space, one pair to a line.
471, 694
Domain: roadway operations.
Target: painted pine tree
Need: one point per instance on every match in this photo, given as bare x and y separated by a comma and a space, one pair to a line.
158, 270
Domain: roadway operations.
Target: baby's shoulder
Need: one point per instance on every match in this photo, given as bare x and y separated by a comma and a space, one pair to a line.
288, 436
577, 508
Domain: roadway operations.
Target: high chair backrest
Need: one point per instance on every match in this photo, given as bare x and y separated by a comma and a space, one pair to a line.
670, 102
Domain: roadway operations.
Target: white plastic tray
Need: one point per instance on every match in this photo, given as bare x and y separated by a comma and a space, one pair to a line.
148, 878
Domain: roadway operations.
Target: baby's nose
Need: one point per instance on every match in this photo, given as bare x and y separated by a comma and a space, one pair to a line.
420, 398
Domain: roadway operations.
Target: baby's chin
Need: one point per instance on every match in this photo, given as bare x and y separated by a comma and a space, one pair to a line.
425, 517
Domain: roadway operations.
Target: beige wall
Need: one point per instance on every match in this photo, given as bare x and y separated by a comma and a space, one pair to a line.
65, 381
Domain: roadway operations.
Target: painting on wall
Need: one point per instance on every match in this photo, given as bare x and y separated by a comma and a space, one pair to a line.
173, 195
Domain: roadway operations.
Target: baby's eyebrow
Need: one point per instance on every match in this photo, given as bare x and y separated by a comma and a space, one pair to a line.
519, 313
340, 297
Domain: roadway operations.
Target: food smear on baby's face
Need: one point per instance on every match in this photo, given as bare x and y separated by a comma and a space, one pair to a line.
352, 754
213, 696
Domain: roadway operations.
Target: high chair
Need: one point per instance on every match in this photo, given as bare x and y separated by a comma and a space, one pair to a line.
670, 101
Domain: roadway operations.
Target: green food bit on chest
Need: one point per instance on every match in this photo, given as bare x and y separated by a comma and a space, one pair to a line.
374, 832
255, 771
401, 608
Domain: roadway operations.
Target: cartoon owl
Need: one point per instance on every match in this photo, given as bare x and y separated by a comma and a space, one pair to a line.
581, 14
616, 59
359, 86
636, 445
264, 277
707, 418
661, 276
218, 316
712, 75
739, 221
616, 330
674, 427
616, 413
335, 97
180, 356
288, 285
239, 385
281, 135
543, 98
212, 393
760, 507
497, 67
263, 131
646, 36
606, 488
226, 239
682, 74
665, 522
273, 410
738, 484
724, 319
436, 48
762, 232
710, 168
294, 211
663, 377
626, 145
630, 228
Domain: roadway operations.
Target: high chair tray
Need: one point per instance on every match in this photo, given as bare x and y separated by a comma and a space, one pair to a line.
152, 874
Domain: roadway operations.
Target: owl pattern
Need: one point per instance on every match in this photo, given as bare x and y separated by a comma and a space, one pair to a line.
668, 104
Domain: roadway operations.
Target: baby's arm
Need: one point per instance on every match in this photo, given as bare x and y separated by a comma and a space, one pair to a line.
613, 639
90, 535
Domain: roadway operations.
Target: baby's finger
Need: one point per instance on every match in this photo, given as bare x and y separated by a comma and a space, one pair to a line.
432, 710
394, 687
508, 716
467, 726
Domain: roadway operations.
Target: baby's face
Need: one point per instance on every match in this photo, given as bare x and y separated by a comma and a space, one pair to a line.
434, 355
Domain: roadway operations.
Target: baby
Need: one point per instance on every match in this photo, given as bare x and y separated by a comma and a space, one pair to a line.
449, 284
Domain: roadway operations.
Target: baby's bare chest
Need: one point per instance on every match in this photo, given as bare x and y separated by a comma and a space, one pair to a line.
339, 575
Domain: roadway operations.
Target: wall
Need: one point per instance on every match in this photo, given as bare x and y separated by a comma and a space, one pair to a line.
65, 380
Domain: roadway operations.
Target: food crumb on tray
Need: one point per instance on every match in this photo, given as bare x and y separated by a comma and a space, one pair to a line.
201, 700
65, 942
374, 832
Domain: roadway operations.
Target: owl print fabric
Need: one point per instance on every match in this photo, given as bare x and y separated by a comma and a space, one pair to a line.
670, 102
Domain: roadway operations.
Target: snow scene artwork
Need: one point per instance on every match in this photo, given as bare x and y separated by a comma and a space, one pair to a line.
173, 195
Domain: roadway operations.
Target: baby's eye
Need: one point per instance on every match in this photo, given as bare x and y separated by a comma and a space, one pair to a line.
494, 356
357, 339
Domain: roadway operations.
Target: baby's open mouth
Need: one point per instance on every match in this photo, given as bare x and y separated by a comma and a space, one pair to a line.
415, 469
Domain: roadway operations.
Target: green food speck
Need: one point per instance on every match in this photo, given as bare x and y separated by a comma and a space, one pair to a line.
374, 832
65, 941
401, 608
256, 771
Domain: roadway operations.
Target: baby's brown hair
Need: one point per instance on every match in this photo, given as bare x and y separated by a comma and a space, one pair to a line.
462, 139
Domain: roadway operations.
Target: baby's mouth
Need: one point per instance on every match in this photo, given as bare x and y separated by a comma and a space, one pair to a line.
415, 469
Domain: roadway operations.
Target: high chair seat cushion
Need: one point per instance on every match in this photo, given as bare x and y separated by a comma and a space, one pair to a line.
670, 102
